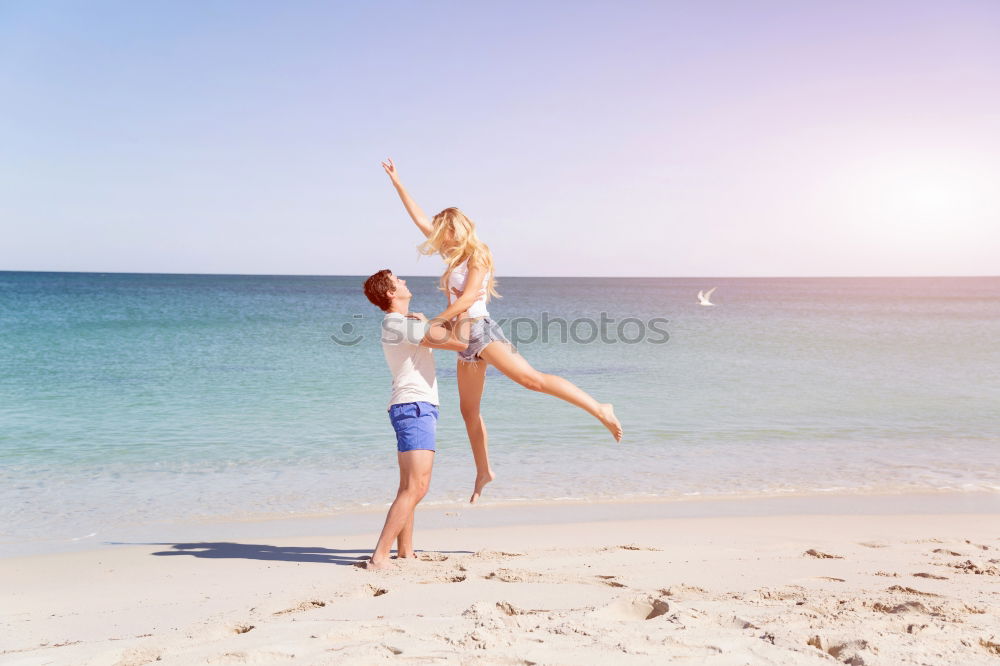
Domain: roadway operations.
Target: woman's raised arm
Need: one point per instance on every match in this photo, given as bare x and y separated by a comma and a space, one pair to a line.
418, 215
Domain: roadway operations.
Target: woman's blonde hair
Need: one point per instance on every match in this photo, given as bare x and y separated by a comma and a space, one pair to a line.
465, 246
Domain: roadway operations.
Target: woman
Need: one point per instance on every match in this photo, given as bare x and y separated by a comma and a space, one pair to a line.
468, 272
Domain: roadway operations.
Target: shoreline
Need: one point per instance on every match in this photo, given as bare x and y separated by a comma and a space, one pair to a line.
522, 513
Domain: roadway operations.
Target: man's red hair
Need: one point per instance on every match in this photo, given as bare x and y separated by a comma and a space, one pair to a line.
377, 288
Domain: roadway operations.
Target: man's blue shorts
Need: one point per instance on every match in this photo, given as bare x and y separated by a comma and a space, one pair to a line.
415, 424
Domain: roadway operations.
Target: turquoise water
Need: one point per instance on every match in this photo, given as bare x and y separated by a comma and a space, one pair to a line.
131, 399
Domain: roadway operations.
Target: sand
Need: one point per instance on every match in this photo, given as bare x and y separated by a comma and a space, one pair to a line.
786, 589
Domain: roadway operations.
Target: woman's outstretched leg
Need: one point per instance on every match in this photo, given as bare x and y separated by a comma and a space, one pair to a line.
471, 381
499, 355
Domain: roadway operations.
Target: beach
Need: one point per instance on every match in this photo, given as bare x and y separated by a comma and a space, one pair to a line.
192, 465
784, 583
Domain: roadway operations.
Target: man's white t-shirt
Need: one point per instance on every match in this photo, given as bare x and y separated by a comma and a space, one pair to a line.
411, 364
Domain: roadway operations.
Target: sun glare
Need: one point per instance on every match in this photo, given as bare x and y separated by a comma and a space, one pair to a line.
923, 202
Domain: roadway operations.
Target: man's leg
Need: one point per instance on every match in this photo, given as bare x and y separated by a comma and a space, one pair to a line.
415, 479
404, 542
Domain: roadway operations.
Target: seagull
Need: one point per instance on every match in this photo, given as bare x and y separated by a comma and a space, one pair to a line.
703, 297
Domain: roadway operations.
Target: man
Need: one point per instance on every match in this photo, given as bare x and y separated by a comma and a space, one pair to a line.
407, 341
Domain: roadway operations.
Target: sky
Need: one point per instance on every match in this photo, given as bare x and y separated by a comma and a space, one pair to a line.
704, 138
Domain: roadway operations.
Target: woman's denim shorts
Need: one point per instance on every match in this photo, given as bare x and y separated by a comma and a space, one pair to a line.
481, 333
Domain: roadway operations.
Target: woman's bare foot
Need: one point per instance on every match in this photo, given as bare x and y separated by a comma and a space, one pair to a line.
481, 481
610, 421
406, 556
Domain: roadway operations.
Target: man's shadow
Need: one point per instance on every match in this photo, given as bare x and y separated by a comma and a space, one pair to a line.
254, 551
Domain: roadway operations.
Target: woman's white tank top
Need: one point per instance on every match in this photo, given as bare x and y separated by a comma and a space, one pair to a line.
457, 281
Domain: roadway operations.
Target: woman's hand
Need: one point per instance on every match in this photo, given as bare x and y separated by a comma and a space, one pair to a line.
458, 292
390, 169
416, 212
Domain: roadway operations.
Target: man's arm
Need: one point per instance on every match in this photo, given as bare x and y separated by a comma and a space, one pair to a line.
440, 336
472, 293
419, 217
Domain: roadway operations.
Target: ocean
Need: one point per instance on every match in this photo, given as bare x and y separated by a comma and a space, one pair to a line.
143, 399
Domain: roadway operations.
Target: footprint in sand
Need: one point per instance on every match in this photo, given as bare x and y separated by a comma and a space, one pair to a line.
362, 634
260, 657
631, 546
945, 551
304, 606
455, 578
610, 580
138, 656
820, 555
364, 652
795, 593
930, 575
510, 609
971, 567
845, 651
490, 622
739, 623
432, 557
366, 590
910, 590
511, 576
641, 607
494, 555
905, 607
990, 646
682, 592
211, 630
526, 576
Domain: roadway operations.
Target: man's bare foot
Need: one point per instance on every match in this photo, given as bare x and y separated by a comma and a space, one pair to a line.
378, 564
406, 556
610, 421
481, 481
